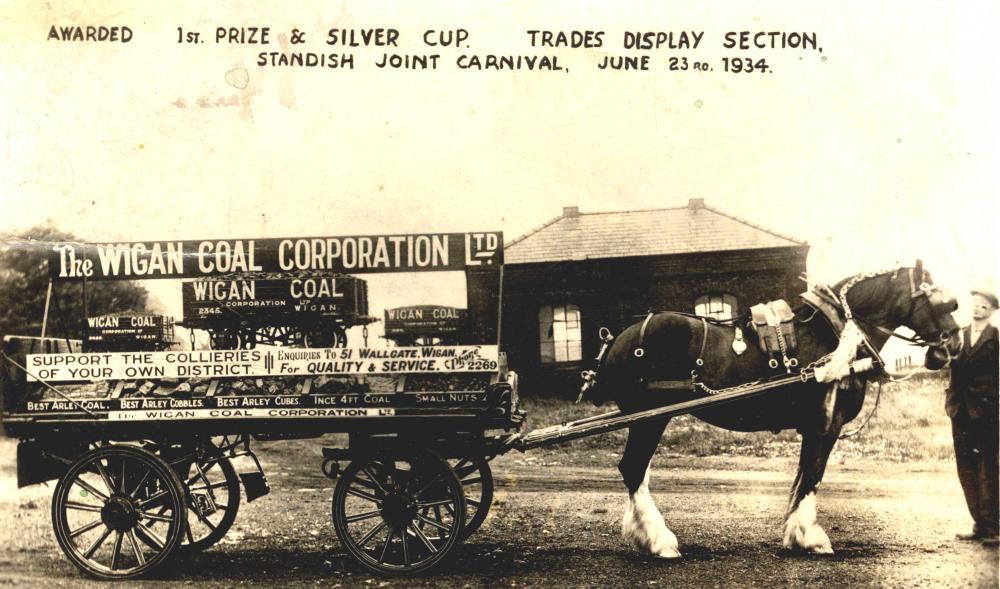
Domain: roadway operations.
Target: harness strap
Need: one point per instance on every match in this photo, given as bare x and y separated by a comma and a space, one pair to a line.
704, 338
639, 351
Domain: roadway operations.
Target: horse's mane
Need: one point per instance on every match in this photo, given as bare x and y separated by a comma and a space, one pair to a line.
865, 289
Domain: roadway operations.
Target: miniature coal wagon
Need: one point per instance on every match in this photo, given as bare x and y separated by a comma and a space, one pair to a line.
119, 332
305, 309
426, 325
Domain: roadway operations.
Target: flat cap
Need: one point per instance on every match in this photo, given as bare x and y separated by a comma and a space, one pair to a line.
987, 294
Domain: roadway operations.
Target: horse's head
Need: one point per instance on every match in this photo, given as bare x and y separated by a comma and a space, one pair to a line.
908, 297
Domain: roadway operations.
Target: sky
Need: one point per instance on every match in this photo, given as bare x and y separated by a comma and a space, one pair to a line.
879, 149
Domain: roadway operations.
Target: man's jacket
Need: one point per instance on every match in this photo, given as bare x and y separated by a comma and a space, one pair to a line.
974, 376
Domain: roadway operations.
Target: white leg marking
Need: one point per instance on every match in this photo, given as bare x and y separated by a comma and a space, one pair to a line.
801, 530
643, 526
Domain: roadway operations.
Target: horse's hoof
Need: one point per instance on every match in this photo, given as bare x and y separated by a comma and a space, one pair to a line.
803, 543
669, 553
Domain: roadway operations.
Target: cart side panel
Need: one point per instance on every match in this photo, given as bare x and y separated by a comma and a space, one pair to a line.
160, 395
13, 381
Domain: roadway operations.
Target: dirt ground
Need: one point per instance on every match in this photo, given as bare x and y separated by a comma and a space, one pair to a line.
892, 525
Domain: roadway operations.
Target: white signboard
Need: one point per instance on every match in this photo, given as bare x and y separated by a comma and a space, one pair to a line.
253, 363
272, 413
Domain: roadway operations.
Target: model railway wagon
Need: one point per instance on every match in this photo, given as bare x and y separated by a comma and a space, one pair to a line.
120, 332
426, 325
307, 309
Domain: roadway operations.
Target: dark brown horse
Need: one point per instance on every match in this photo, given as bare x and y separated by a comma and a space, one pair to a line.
673, 343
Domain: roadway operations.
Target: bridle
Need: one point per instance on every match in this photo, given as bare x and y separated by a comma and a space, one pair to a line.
928, 295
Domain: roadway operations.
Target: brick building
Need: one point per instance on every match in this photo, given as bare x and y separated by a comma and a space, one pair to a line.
583, 271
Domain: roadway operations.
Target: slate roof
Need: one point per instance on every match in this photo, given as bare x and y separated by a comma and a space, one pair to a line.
655, 232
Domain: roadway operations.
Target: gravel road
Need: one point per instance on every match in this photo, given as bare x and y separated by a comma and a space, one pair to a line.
551, 525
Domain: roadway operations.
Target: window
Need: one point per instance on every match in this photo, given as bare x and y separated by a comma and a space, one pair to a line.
559, 334
718, 306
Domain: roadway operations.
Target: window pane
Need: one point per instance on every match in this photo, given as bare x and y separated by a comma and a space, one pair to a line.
718, 306
545, 324
559, 334
547, 353
575, 351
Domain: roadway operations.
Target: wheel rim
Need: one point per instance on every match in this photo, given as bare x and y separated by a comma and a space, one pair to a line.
213, 498
477, 486
118, 512
379, 512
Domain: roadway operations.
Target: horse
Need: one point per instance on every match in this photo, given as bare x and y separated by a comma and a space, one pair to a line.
671, 346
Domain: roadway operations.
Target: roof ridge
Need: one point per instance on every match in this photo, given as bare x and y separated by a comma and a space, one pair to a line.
557, 218
755, 225
532, 231
635, 210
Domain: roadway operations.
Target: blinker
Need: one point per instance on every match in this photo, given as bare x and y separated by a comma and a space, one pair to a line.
942, 302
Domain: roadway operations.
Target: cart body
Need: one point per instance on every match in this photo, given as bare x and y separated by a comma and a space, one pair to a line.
141, 440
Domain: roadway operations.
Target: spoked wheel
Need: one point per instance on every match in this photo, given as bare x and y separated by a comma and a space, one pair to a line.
325, 337
119, 512
224, 339
477, 485
246, 339
213, 498
399, 515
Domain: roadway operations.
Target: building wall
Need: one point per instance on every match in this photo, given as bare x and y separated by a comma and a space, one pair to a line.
615, 294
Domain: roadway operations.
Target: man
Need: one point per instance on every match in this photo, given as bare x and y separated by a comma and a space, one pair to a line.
971, 402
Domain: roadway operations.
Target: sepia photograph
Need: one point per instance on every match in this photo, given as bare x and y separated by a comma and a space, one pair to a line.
524, 294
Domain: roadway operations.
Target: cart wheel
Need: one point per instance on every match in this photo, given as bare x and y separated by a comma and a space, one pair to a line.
213, 498
246, 339
477, 484
118, 512
223, 339
379, 508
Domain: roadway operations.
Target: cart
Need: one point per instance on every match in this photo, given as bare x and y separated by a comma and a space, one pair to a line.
142, 443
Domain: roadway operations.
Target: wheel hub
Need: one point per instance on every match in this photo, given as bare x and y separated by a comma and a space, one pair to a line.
119, 514
398, 511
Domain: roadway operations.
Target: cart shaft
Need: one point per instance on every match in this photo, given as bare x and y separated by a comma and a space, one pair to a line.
615, 420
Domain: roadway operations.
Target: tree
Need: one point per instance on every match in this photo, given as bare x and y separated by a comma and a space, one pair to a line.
24, 278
